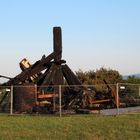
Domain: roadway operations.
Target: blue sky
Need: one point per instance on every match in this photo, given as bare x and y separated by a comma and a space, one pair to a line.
96, 33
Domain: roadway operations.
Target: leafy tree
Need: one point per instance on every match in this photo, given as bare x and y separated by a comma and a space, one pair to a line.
110, 75
87, 78
91, 77
132, 79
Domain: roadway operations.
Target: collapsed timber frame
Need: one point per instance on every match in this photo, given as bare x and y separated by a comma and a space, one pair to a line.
38, 84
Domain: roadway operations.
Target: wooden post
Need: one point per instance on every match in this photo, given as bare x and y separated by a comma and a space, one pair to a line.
54, 100
57, 44
139, 90
57, 47
35, 94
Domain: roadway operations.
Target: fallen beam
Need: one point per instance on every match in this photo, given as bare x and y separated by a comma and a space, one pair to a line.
34, 69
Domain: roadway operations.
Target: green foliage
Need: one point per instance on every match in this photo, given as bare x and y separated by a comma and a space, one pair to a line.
82, 127
133, 79
111, 76
87, 78
92, 77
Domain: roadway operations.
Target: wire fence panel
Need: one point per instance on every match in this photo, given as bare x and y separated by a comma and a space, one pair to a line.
129, 94
112, 99
5, 99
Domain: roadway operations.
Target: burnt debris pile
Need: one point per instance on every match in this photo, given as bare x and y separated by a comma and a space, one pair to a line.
37, 87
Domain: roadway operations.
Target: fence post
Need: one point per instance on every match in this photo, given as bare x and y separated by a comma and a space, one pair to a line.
54, 106
11, 106
60, 92
117, 96
139, 90
36, 94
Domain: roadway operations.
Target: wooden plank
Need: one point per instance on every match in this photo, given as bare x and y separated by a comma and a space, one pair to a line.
47, 95
100, 101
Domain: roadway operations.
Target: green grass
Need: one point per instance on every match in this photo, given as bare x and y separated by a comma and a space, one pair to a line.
84, 127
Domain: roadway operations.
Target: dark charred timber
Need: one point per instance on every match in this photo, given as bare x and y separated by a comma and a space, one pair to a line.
41, 78
66, 75
57, 44
112, 95
49, 77
70, 76
5, 77
58, 80
34, 69
130, 101
73, 99
36, 88
60, 62
24, 98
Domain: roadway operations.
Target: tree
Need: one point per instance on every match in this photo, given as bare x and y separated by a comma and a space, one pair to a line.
87, 78
91, 77
110, 75
132, 79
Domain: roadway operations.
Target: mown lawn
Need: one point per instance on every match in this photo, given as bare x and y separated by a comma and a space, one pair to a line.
84, 127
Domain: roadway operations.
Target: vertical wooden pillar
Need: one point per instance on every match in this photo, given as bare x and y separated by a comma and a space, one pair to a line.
57, 43
57, 47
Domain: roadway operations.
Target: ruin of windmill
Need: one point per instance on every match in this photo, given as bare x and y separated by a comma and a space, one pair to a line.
36, 88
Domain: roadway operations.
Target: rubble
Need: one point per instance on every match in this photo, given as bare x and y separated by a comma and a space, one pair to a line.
36, 88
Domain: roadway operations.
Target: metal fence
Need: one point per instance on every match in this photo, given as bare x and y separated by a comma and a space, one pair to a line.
112, 99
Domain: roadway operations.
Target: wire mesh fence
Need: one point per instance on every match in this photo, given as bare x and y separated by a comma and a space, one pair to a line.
5, 99
112, 99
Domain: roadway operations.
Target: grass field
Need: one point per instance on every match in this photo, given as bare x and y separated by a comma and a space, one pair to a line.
84, 127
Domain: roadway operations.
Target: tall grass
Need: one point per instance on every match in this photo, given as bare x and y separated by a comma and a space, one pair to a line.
85, 127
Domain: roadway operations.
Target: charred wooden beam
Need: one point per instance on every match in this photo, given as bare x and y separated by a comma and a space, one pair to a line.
41, 78
54, 77
58, 77
66, 75
34, 69
70, 76
49, 77
5, 77
112, 94
57, 44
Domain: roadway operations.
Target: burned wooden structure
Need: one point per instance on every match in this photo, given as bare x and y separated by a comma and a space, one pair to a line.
56, 73
36, 88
